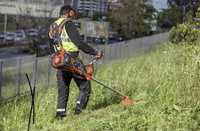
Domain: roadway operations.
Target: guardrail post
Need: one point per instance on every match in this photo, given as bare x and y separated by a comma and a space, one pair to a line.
49, 72
19, 77
1, 78
34, 78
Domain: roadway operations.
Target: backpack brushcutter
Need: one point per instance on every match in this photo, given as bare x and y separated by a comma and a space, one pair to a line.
62, 60
87, 74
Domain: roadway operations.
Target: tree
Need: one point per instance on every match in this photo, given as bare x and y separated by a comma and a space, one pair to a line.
197, 18
184, 6
132, 18
179, 11
169, 18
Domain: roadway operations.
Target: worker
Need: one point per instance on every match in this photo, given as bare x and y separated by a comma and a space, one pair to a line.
71, 42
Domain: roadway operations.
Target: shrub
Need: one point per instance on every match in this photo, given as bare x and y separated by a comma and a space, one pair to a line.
184, 33
188, 32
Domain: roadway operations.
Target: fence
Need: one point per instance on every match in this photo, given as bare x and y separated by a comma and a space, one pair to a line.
13, 82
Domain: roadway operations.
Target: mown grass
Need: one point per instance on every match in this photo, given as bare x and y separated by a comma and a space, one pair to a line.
167, 80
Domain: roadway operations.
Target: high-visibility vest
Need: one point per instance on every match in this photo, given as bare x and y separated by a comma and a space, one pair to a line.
66, 43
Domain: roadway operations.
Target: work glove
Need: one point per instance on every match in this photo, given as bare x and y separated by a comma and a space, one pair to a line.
99, 55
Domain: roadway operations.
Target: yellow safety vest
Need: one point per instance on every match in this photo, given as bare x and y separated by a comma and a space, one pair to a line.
66, 43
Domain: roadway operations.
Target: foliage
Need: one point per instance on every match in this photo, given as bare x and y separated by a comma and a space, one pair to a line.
188, 32
179, 11
197, 22
184, 33
97, 16
185, 6
169, 18
10, 23
132, 18
167, 80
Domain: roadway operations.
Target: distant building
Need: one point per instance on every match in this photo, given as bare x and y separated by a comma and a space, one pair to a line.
114, 4
46, 2
37, 8
100, 6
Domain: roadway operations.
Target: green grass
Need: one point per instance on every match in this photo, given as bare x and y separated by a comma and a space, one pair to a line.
167, 80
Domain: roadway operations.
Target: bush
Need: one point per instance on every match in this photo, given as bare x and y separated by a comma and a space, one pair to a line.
184, 33
188, 32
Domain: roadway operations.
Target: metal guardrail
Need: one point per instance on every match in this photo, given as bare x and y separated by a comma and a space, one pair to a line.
12, 71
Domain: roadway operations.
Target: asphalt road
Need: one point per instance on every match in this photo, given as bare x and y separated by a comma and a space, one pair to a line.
10, 52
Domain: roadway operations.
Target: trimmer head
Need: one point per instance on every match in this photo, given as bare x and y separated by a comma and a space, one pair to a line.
127, 101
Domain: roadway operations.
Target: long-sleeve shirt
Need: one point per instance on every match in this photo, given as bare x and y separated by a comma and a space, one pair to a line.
75, 37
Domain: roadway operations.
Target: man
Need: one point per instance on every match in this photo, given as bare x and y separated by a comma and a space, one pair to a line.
70, 41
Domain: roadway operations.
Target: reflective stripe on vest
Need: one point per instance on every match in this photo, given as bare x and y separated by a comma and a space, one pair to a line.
66, 42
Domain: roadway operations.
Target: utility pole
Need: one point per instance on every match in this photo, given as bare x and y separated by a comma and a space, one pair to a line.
1, 78
5, 22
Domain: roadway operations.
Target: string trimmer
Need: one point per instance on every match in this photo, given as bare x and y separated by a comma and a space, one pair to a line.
87, 74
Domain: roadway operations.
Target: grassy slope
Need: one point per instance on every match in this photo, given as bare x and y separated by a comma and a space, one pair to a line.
166, 79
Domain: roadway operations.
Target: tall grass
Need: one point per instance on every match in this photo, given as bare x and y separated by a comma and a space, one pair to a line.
167, 80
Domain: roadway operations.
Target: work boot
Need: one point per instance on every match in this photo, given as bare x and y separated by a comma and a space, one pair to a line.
78, 110
60, 115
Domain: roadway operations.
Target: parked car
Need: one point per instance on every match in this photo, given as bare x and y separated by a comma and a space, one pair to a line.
32, 32
115, 39
90, 39
103, 40
2, 35
120, 38
20, 35
97, 40
43, 33
10, 37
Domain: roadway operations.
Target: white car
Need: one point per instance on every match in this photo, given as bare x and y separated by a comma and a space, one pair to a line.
2, 35
10, 36
32, 32
20, 35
